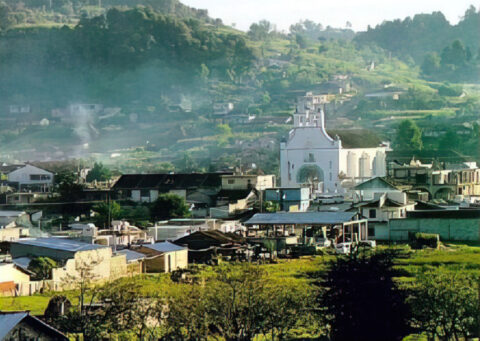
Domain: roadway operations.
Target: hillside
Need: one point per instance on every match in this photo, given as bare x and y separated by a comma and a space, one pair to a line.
161, 83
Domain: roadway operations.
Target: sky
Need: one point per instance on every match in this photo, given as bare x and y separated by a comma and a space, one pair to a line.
336, 13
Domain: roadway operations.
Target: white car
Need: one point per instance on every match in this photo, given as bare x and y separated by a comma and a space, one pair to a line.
368, 243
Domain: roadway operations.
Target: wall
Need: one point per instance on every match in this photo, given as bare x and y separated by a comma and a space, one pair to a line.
72, 268
448, 229
10, 273
9, 234
238, 182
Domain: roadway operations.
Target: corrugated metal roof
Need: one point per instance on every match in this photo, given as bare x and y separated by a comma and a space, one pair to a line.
63, 244
8, 321
301, 218
164, 247
22, 262
132, 255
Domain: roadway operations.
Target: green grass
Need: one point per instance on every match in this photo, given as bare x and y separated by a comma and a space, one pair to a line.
451, 257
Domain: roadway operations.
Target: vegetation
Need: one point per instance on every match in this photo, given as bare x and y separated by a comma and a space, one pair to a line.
409, 136
98, 173
168, 206
42, 267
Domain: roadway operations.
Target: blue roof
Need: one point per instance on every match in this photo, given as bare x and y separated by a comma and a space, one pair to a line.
165, 247
62, 244
132, 255
8, 321
301, 218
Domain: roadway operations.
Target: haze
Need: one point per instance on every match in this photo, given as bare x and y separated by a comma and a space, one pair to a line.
334, 13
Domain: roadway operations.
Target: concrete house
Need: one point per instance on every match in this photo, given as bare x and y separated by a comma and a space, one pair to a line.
194, 187
73, 256
164, 257
289, 199
11, 277
20, 325
28, 177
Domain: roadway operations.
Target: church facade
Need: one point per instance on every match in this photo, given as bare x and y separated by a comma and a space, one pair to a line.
311, 157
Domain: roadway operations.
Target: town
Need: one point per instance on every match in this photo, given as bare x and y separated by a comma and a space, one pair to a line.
328, 199
304, 171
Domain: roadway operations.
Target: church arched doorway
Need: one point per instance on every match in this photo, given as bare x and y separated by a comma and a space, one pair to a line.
310, 174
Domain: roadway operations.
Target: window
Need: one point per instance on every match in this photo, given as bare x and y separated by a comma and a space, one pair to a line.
38, 177
144, 193
372, 213
330, 164
231, 181
371, 232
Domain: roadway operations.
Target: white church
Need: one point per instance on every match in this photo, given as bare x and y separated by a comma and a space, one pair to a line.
310, 156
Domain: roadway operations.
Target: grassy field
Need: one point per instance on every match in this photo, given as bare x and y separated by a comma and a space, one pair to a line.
410, 263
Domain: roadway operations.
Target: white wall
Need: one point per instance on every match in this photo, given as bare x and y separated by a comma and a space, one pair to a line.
22, 176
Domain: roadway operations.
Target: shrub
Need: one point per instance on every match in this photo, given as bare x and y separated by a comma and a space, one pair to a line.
419, 240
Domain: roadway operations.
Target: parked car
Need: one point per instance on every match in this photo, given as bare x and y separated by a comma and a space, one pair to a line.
368, 243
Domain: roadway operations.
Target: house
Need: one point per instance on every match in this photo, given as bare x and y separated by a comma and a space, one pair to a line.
177, 228
135, 261
450, 224
367, 190
20, 326
14, 218
381, 210
74, 256
11, 277
194, 187
164, 257
205, 245
28, 177
437, 180
243, 182
289, 199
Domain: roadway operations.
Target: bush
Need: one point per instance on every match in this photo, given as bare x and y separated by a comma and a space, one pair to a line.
419, 240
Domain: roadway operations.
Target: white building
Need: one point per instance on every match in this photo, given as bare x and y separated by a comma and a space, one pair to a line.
311, 156
28, 177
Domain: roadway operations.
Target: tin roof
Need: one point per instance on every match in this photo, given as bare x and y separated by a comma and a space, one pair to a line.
301, 218
63, 244
10, 319
132, 255
164, 247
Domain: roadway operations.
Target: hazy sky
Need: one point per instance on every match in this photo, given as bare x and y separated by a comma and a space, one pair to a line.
328, 12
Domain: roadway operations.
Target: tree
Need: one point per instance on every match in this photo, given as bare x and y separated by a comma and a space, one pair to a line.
455, 54
409, 136
99, 173
224, 134
67, 186
235, 303
106, 212
260, 30
359, 292
431, 64
168, 206
445, 305
42, 267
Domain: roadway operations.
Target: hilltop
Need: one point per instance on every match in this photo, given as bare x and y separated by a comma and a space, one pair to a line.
175, 90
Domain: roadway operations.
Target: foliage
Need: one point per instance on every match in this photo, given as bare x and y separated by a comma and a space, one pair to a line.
445, 305
106, 212
360, 292
66, 183
42, 267
168, 206
418, 240
409, 136
99, 173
